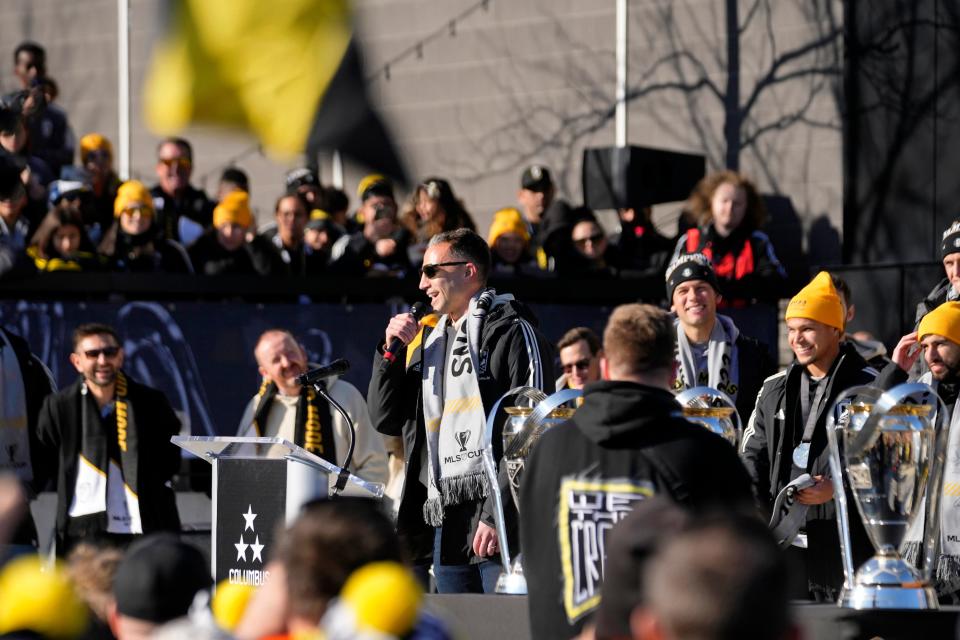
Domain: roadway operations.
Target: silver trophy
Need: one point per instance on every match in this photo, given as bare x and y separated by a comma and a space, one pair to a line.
713, 409
893, 455
524, 426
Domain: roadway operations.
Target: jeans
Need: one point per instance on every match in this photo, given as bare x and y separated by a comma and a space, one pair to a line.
463, 578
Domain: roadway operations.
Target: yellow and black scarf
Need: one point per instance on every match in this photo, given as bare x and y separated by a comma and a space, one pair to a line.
313, 424
97, 456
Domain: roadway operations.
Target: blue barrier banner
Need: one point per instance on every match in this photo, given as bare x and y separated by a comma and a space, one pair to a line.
200, 354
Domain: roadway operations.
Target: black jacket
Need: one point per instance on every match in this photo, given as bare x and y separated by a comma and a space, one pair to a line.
193, 205
775, 429
396, 408
627, 442
210, 258
745, 264
755, 365
59, 432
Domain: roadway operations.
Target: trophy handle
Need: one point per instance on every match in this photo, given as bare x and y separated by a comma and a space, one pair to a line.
490, 466
685, 397
836, 476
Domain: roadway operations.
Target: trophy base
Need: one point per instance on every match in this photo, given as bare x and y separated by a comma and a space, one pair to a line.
513, 582
888, 582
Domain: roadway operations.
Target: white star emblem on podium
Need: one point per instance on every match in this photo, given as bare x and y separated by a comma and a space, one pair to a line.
242, 549
249, 517
257, 549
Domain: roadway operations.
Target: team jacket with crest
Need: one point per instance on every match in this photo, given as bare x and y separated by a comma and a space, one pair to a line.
775, 429
626, 443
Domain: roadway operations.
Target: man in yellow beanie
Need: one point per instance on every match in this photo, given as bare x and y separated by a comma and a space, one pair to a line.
785, 442
225, 250
937, 338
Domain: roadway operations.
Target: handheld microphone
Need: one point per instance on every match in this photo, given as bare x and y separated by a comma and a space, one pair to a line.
418, 310
335, 368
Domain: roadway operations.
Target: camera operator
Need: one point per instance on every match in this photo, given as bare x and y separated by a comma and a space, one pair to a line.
380, 249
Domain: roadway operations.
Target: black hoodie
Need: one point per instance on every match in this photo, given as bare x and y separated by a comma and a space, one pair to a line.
626, 443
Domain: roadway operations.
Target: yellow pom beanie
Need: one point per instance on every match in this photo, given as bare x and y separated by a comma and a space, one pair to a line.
818, 301
132, 192
235, 207
942, 321
508, 220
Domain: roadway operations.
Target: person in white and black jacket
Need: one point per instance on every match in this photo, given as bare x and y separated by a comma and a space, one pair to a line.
477, 347
787, 433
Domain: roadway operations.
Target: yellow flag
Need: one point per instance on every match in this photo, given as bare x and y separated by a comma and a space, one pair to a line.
272, 68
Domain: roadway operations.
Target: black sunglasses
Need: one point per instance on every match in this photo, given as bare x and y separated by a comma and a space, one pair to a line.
579, 365
594, 239
431, 270
109, 352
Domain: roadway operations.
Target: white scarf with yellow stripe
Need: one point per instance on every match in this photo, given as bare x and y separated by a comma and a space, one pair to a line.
453, 411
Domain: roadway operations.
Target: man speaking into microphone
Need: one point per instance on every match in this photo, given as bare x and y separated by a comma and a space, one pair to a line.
436, 393
284, 409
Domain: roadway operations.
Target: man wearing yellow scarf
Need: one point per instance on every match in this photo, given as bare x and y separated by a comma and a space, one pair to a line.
786, 436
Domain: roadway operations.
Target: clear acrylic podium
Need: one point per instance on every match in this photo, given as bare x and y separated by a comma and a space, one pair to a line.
260, 484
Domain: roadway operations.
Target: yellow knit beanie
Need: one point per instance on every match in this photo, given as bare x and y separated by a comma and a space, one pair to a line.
818, 301
942, 321
133, 192
507, 220
235, 207
94, 142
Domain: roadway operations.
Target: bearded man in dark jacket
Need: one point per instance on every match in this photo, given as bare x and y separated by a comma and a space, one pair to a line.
626, 443
787, 433
437, 392
109, 437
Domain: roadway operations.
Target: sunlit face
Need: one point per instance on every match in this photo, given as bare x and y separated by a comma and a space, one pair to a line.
66, 239
99, 164
317, 239
98, 358
942, 356
588, 239
231, 235
427, 207
280, 359
534, 203
449, 289
291, 220
579, 365
509, 247
812, 342
14, 141
135, 219
174, 168
27, 68
951, 265
695, 303
12, 204
728, 205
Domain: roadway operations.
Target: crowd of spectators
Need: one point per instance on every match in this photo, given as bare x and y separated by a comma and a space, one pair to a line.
59, 216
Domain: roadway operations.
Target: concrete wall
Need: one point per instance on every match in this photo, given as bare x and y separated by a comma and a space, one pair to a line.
517, 81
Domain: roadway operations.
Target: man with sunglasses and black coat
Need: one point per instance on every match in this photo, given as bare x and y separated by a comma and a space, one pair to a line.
436, 392
109, 438
183, 211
